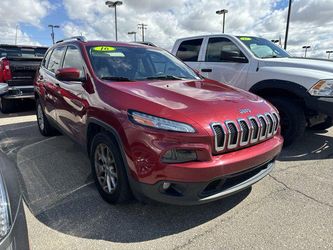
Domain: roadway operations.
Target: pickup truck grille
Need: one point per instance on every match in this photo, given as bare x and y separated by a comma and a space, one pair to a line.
232, 135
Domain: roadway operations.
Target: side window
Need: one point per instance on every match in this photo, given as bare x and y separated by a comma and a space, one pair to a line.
55, 59
73, 59
46, 59
188, 50
220, 49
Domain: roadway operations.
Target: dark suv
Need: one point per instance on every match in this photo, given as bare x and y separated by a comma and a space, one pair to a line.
153, 127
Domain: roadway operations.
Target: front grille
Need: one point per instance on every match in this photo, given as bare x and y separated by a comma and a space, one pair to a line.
236, 134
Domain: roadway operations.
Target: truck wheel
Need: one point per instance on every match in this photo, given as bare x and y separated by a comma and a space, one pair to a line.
325, 125
6, 105
293, 121
108, 170
45, 128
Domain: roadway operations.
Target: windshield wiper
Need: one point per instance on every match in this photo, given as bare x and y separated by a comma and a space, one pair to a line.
116, 78
164, 77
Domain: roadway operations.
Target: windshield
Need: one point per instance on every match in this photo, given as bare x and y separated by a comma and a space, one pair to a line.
25, 52
120, 63
263, 48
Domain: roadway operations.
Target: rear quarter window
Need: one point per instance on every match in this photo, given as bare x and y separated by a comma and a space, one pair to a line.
188, 50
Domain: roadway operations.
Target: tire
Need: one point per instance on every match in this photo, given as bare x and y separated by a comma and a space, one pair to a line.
108, 170
293, 122
6, 105
44, 126
325, 125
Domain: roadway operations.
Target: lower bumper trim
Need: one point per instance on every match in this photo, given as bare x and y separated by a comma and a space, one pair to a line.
183, 193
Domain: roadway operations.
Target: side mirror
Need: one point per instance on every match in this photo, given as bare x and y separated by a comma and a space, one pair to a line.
233, 56
69, 74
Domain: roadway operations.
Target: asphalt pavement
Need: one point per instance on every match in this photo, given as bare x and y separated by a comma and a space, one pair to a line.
292, 208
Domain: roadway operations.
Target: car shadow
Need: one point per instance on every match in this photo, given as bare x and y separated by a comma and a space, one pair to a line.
59, 190
313, 145
21, 107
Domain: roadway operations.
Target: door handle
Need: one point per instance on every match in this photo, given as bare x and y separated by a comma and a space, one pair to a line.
206, 70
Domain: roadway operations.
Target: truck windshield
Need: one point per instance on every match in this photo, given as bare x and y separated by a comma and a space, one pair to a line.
25, 52
263, 48
120, 63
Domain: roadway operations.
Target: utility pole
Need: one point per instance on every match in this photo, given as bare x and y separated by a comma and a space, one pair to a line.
306, 47
222, 12
114, 5
52, 30
287, 28
329, 53
142, 27
133, 33
16, 34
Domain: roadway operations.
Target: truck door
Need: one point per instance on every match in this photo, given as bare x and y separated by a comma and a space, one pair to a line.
189, 52
224, 62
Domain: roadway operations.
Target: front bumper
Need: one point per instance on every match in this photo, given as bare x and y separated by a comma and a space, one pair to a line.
183, 193
16, 92
322, 105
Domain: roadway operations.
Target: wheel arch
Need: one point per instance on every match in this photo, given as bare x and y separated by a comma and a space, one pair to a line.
274, 87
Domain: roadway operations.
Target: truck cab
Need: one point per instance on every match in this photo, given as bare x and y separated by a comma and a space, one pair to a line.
301, 89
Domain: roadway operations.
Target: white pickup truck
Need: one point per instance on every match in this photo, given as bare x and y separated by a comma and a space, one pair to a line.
301, 89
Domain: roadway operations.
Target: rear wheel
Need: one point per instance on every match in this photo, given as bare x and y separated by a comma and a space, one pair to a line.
293, 121
109, 170
44, 125
6, 105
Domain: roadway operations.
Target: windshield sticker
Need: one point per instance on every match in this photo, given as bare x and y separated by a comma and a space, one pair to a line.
103, 48
116, 54
245, 38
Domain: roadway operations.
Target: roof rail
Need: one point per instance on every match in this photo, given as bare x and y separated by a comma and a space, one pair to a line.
79, 38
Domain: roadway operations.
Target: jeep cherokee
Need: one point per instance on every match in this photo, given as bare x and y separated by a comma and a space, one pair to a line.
153, 127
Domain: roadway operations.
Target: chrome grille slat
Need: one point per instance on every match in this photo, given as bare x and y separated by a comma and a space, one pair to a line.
232, 134
244, 131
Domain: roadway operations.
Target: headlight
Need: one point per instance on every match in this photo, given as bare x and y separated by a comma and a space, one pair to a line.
4, 210
159, 123
322, 88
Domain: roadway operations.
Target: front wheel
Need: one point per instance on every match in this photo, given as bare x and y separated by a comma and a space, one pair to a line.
109, 170
293, 122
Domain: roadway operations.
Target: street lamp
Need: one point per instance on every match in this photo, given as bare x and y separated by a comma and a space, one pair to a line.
329, 53
133, 33
287, 28
114, 5
306, 47
222, 12
52, 30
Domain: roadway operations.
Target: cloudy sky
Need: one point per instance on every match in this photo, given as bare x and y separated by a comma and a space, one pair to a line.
167, 20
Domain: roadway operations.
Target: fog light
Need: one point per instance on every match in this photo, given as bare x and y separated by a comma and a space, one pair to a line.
179, 156
166, 185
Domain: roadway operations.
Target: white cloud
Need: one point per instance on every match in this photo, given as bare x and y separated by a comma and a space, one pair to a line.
14, 12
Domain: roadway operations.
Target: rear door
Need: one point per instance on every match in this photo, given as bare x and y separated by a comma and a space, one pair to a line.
72, 97
219, 65
50, 83
189, 51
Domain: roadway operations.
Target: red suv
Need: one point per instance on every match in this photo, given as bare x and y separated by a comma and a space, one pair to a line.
151, 125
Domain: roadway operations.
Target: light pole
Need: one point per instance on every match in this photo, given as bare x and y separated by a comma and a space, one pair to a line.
133, 33
329, 53
142, 27
306, 47
287, 28
114, 5
222, 12
16, 34
52, 30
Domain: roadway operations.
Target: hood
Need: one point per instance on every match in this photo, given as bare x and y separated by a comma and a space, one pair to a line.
312, 64
202, 101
